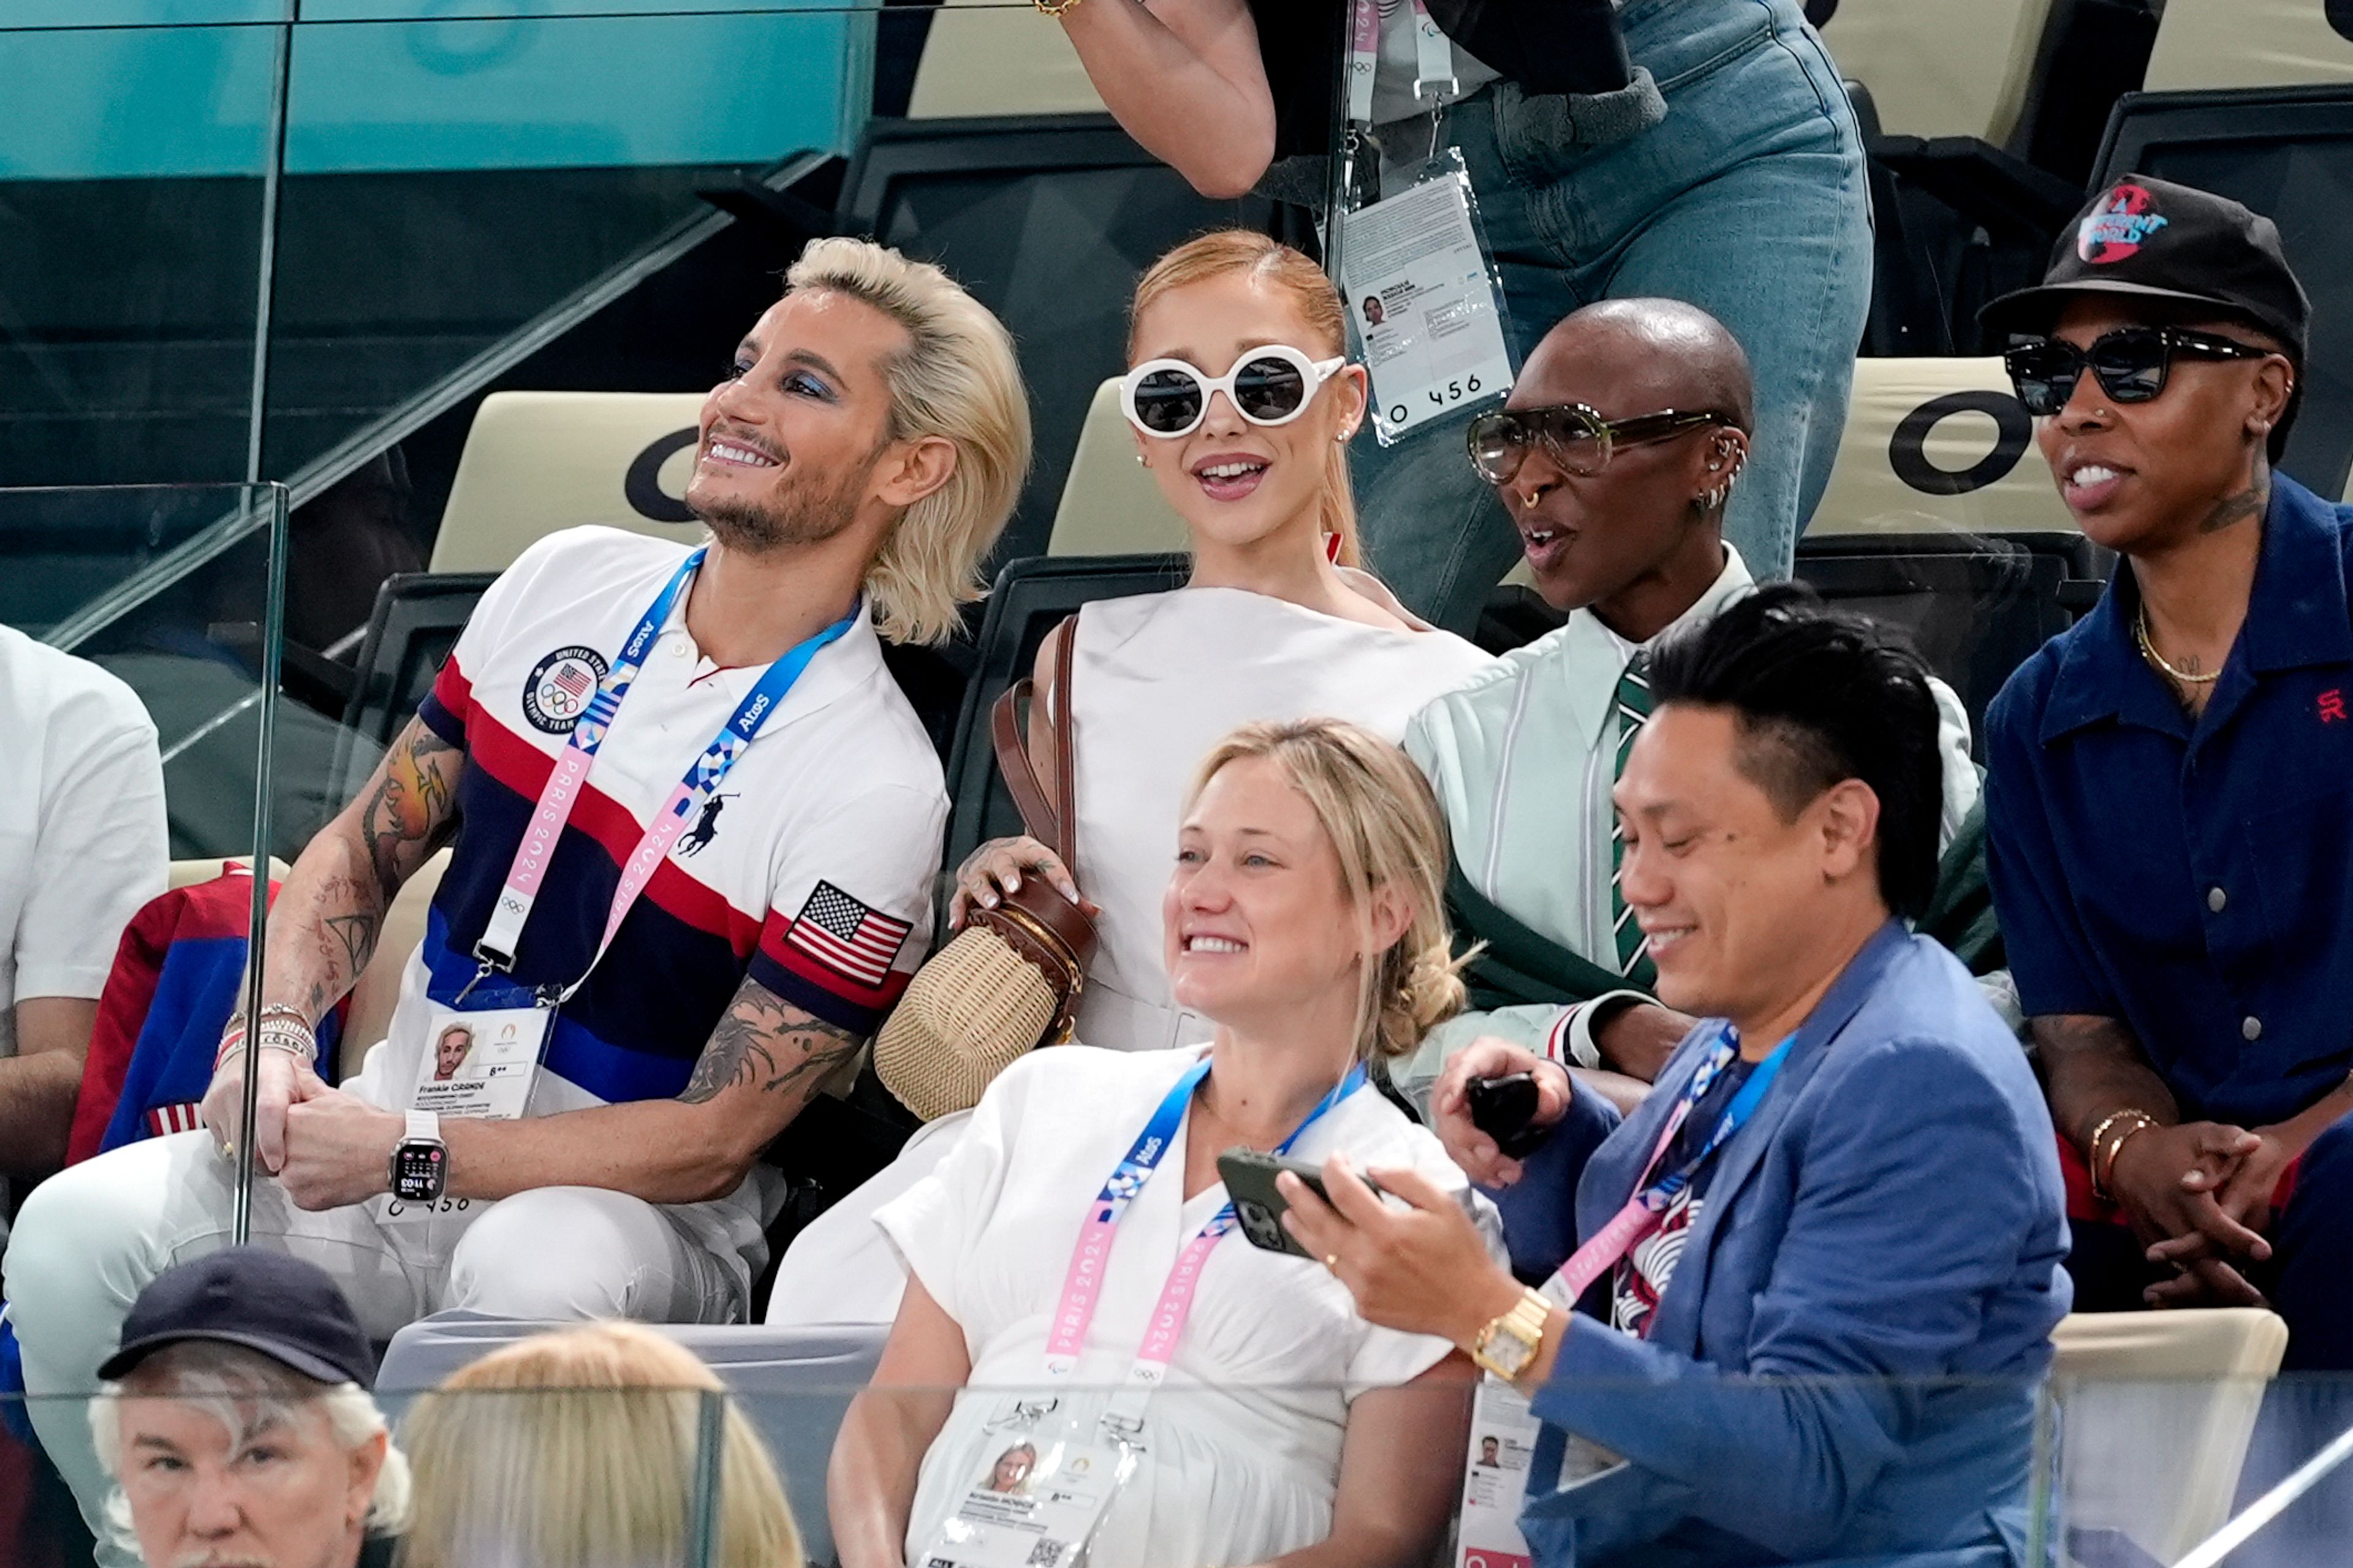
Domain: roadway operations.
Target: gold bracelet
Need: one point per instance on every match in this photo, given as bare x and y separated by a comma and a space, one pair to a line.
2125, 1136
2093, 1160
1054, 8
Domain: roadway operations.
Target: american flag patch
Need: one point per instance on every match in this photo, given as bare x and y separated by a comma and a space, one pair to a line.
164, 1119
572, 679
847, 937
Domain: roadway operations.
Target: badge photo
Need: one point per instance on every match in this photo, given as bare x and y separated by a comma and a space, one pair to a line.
560, 687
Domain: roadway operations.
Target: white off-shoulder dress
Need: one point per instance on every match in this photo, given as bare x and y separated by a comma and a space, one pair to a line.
1244, 1437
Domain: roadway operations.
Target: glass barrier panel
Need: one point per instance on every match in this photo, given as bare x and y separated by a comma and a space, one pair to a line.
496, 1464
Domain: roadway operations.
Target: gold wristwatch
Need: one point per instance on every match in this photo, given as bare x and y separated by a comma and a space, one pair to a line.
1507, 1346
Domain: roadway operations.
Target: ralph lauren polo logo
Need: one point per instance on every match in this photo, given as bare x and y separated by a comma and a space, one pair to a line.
2332, 705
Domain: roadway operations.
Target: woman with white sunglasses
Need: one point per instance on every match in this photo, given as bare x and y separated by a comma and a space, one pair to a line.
1242, 402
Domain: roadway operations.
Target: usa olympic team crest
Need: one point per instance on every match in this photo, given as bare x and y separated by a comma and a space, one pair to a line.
559, 688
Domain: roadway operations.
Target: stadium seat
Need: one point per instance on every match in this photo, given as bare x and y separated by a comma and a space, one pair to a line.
2287, 152
2250, 43
538, 461
795, 1385
1110, 505
1941, 68
2157, 1410
1938, 445
415, 624
1031, 597
982, 57
379, 984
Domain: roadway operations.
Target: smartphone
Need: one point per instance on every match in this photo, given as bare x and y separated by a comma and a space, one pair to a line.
1249, 1184
1504, 1108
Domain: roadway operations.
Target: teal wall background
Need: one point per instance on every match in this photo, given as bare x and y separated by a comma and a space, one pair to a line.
115, 89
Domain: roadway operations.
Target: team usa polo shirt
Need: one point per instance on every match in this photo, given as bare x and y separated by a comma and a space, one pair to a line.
811, 870
2193, 879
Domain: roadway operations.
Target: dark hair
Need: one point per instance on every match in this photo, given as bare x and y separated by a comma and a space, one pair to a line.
1822, 696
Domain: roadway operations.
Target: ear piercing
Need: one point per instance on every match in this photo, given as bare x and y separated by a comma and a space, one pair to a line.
1142, 461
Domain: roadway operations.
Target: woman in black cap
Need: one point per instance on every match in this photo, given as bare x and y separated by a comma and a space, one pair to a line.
2169, 810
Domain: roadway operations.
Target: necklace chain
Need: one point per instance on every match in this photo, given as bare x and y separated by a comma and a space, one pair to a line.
2148, 651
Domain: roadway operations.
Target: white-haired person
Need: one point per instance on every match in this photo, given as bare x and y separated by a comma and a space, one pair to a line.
235, 1423
584, 1449
1242, 402
648, 1013
1061, 1262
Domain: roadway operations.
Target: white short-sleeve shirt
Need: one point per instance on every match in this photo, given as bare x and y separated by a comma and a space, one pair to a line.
1245, 1434
82, 836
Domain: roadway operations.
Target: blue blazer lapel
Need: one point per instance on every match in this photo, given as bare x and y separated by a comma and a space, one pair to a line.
1677, 1327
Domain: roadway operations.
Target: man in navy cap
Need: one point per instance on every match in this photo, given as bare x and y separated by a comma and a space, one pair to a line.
237, 1424
2169, 811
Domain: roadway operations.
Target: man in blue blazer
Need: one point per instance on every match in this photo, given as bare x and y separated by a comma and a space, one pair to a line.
1825, 1254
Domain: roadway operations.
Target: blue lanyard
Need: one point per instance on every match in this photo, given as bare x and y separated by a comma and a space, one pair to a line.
1144, 1156
502, 933
1656, 1196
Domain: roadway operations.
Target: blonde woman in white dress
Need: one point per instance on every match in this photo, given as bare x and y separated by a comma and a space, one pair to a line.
1276, 623
1301, 911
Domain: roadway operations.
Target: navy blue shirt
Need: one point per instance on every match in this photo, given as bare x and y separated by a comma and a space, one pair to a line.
2193, 879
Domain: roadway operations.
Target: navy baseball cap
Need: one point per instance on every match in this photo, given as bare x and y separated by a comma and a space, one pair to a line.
2153, 239
287, 1310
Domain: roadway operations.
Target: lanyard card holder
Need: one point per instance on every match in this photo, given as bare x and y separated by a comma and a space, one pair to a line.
1043, 1497
1426, 298
482, 1061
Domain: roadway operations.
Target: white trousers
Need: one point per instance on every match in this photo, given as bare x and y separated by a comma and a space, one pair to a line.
89, 1239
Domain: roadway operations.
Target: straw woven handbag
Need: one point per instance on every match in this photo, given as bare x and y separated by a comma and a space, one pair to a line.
1010, 980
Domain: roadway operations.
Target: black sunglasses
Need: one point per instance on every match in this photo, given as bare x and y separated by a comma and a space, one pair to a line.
1574, 435
2131, 362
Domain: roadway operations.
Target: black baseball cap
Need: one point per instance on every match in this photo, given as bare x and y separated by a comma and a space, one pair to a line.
2153, 239
289, 1310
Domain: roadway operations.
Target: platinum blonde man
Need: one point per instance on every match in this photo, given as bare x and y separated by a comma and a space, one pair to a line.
650, 1008
236, 1423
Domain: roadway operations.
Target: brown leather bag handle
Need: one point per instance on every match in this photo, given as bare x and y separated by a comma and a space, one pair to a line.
1049, 826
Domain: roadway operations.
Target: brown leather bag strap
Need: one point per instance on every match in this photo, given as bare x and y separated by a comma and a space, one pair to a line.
1048, 825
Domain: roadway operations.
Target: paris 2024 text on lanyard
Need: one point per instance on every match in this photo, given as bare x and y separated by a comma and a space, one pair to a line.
507, 1023
1045, 1516
1493, 1493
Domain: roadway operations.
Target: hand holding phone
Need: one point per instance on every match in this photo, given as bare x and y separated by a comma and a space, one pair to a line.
1259, 1204
1504, 1109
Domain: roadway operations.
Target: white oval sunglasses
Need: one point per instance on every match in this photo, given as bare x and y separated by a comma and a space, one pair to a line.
1273, 385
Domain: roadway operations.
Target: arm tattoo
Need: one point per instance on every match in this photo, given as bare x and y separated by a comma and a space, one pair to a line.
412, 805
770, 1045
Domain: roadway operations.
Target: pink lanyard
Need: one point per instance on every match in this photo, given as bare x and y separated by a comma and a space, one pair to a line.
1083, 1285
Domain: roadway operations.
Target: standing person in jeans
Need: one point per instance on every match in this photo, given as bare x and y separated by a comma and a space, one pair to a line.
1724, 170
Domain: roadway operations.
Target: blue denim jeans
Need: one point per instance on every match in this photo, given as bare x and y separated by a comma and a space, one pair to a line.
1749, 200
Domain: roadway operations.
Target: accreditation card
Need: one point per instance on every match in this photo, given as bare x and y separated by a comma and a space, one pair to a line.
1425, 300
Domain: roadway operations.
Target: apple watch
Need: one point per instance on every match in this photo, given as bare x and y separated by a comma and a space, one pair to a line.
420, 1161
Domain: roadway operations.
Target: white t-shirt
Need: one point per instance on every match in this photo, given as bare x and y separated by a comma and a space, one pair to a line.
1245, 1434
813, 877
82, 839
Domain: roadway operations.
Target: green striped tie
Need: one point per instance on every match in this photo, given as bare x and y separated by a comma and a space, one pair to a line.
1633, 710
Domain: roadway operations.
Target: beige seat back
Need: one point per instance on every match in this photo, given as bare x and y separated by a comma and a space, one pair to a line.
1938, 445
2246, 42
1941, 68
2156, 1412
378, 989
1111, 505
983, 57
538, 461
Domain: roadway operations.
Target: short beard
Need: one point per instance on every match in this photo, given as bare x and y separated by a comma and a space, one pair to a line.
802, 513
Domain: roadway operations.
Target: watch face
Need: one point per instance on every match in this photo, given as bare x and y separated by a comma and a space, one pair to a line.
419, 1170
1507, 1351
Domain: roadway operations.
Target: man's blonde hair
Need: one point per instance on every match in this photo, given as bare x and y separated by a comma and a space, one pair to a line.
957, 379
580, 1448
1386, 832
